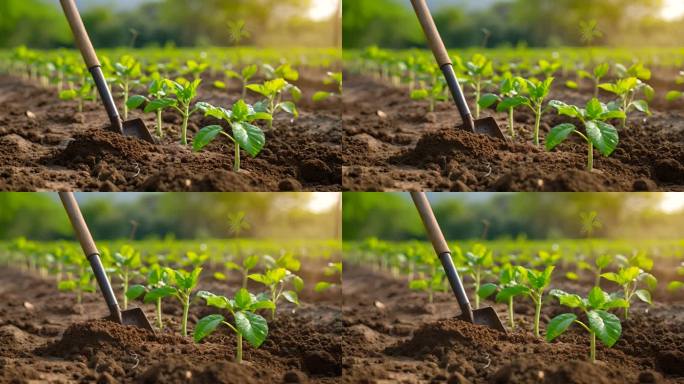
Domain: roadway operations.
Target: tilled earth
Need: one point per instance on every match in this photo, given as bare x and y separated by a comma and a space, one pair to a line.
45, 337
392, 335
392, 143
46, 145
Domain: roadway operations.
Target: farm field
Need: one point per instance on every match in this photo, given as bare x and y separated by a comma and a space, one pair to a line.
400, 323
50, 332
400, 123
53, 131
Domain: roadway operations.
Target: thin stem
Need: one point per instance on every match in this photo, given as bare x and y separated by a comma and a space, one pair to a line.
160, 133
125, 289
592, 347
477, 98
477, 288
125, 107
510, 312
537, 315
537, 123
511, 130
238, 353
590, 157
160, 325
184, 127
236, 163
184, 321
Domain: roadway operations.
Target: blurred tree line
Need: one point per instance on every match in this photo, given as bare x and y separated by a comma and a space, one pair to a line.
510, 215
392, 23
41, 24
40, 216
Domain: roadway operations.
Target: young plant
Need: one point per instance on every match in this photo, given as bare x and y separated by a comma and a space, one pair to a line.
599, 72
156, 289
277, 278
536, 94
79, 277
185, 92
510, 286
245, 135
127, 72
332, 78
244, 76
195, 69
536, 283
247, 323
80, 94
247, 264
479, 68
629, 278
331, 270
156, 101
125, 265
599, 133
273, 91
600, 263
627, 88
599, 323
509, 98
183, 283
477, 263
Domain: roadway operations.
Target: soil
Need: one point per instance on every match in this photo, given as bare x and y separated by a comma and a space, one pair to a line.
392, 143
46, 145
44, 338
392, 335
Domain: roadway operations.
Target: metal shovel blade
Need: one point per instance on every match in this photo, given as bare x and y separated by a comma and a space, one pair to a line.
134, 317
136, 128
486, 126
486, 316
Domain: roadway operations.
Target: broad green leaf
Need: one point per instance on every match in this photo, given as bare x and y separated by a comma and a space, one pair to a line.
597, 297
594, 109
601, 70
486, 290
608, 115
571, 276
616, 303
250, 137
419, 94
418, 285
157, 104
69, 94
250, 261
642, 106
135, 291
558, 134
606, 326
261, 304
566, 109
571, 84
511, 102
487, 100
252, 327
603, 135
320, 96
206, 325
205, 136
232, 266
674, 285
650, 280
135, 101
249, 71
644, 296
509, 292
259, 278
66, 285
558, 325
243, 299
322, 286
219, 84
298, 283
291, 296
673, 96
157, 293
219, 276
611, 276
290, 108
603, 261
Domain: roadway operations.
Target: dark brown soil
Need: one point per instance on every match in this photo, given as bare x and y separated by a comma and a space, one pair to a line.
393, 335
45, 338
392, 143
59, 149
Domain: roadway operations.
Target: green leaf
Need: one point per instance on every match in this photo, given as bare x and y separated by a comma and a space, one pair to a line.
232, 266
603, 135
558, 134
320, 96
601, 70
642, 106
597, 297
608, 115
558, 325
673, 96
571, 276
419, 94
674, 285
322, 286
249, 71
565, 109
487, 100
261, 304
157, 104
603, 261
135, 101
66, 285
509, 292
291, 296
206, 325
219, 84
594, 109
298, 283
486, 290
418, 285
510, 102
571, 84
252, 327
250, 261
157, 293
250, 137
290, 108
243, 299
644, 296
134, 291
205, 136
616, 303
69, 94
606, 326
219, 276
259, 278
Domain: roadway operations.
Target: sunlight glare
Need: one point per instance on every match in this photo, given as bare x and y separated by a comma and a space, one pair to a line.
673, 9
672, 202
323, 9
323, 201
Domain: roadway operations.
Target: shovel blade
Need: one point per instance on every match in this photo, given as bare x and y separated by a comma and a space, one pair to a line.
486, 316
136, 128
134, 317
487, 126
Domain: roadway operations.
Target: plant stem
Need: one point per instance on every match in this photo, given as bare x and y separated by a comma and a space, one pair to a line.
590, 157
238, 353
430, 296
125, 107
537, 123
537, 315
184, 127
477, 289
510, 312
511, 131
236, 163
125, 289
592, 347
160, 133
477, 99
184, 321
160, 325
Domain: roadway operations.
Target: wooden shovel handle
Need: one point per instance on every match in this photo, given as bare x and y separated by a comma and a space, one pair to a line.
431, 225
431, 32
79, 224
80, 34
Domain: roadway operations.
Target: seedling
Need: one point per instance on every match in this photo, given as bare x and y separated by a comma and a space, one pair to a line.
80, 94
126, 263
273, 91
432, 91
332, 269
599, 133
599, 72
629, 278
244, 76
127, 71
536, 283
600, 263
332, 78
510, 279
479, 68
79, 277
277, 278
477, 263
195, 69
599, 323
183, 283
244, 135
509, 97
156, 101
628, 87
156, 289
248, 324
248, 263
537, 93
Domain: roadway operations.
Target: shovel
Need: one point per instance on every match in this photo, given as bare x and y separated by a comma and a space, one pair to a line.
133, 128
483, 316
485, 126
135, 317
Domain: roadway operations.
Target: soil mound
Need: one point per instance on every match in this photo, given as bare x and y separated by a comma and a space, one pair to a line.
89, 148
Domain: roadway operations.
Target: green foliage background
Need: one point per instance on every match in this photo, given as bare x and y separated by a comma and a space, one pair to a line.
510, 215
40, 216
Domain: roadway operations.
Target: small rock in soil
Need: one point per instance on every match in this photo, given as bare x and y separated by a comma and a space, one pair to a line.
295, 377
322, 363
289, 185
645, 185
314, 170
